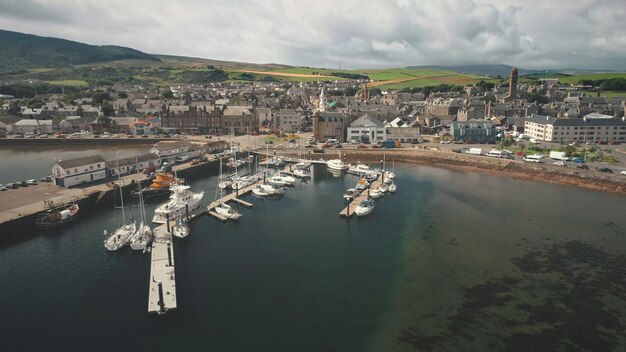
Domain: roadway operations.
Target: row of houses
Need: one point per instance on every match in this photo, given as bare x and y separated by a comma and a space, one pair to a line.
15, 124
365, 129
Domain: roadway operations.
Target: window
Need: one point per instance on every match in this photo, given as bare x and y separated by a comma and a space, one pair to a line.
75, 171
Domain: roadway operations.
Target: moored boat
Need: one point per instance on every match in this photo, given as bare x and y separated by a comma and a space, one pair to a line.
181, 200
365, 207
336, 164
54, 216
180, 229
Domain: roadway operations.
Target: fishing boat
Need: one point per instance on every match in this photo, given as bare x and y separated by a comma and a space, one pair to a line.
365, 207
54, 216
181, 200
336, 164
180, 229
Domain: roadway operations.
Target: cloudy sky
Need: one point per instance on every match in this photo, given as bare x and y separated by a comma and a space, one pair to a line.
536, 34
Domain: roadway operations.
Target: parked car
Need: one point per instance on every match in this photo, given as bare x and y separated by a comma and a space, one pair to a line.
578, 160
582, 166
605, 169
3, 188
444, 142
362, 146
457, 150
520, 154
11, 185
269, 142
204, 159
559, 163
31, 182
22, 183
623, 172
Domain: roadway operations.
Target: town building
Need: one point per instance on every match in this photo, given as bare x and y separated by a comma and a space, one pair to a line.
133, 164
73, 172
366, 129
591, 128
330, 125
477, 131
287, 120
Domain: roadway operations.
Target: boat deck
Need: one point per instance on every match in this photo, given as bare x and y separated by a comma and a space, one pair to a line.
348, 211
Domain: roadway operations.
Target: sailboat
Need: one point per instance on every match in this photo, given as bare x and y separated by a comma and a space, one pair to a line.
143, 236
120, 237
222, 208
180, 229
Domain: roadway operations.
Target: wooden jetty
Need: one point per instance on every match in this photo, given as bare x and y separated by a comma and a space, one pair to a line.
348, 211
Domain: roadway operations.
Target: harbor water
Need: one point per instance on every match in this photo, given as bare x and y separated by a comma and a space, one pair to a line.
454, 261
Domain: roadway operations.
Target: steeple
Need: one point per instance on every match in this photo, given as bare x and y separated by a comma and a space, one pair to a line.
322, 105
513, 84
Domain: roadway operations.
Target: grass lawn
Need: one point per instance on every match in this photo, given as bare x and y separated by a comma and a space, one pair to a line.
576, 79
68, 82
606, 94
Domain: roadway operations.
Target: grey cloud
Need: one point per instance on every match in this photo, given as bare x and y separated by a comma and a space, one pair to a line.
357, 33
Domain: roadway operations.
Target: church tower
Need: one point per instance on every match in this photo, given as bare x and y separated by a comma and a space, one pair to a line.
322, 105
513, 84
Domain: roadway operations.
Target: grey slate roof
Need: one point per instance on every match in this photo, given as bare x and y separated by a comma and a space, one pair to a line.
366, 121
86, 160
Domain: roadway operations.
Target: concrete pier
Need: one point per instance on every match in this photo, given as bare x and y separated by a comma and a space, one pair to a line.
162, 291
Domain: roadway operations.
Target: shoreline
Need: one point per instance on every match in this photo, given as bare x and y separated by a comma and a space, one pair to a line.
570, 176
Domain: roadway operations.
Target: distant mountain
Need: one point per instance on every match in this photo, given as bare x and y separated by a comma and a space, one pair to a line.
19, 51
505, 70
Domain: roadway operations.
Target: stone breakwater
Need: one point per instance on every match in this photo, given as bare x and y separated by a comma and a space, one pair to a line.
545, 172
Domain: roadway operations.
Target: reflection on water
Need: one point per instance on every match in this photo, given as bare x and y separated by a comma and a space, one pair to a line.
452, 262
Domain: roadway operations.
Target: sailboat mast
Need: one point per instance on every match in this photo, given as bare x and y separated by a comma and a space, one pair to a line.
119, 178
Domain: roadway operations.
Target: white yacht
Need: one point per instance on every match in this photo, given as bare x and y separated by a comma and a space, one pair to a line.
336, 164
392, 188
376, 193
365, 207
120, 237
359, 169
244, 181
141, 238
176, 206
268, 190
301, 173
282, 178
383, 188
226, 211
180, 229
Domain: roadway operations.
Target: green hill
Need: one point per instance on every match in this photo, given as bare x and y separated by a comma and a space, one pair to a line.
19, 51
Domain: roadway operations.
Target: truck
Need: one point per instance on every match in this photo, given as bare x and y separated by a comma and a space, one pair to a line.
474, 151
558, 156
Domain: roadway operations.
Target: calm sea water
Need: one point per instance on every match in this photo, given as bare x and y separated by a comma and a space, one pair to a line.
453, 262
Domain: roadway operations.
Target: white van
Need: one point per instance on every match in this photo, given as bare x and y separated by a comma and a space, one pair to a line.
534, 158
495, 153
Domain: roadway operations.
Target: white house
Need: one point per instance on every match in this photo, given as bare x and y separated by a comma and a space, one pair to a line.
72, 172
168, 150
366, 129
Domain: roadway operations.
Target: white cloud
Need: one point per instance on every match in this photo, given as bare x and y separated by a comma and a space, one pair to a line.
357, 33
